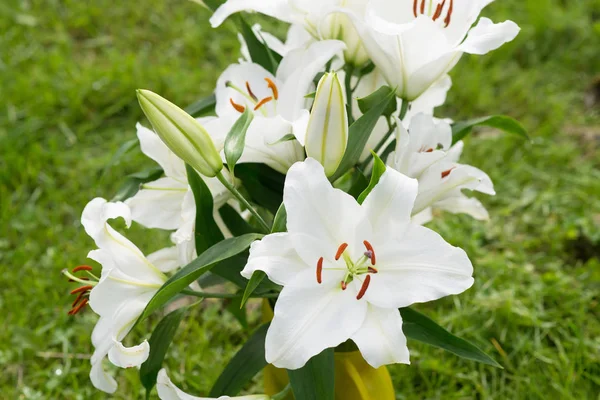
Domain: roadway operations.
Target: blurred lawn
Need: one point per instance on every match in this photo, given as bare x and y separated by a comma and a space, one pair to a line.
68, 70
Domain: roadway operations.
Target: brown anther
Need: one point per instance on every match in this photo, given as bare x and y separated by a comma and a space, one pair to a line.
320, 270
238, 107
449, 16
428, 150
250, 91
373, 270
438, 10
81, 289
79, 296
415, 3
344, 285
263, 102
273, 88
341, 250
370, 248
79, 307
364, 287
82, 268
446, 173
423, 7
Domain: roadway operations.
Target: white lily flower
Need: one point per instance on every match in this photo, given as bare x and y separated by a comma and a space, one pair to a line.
168, 203
127, 283
278, 102
168, 391
321, 18
415, 42
426, 155
346, 268
327, 134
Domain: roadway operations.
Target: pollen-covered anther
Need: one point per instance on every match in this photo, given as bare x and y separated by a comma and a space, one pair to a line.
273, 88
250, 92
438, 10
320, 270
364, 287
78, 308
238, 107
446, 173
344, 285
371, 251
449, 15
341, 250
373, 270
82, 289
263, 102
82, 268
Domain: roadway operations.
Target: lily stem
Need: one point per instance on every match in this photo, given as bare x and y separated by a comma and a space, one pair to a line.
206, 295
348, 84
403, 109
245, 202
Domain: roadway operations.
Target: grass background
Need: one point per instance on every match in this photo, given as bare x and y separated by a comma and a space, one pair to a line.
68, 71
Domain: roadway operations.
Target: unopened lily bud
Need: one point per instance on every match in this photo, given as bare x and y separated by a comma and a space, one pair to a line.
185, 136
327, 133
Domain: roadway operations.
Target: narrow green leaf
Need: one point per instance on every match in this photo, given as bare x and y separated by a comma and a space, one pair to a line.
372, 100
502, 122
316, 380
159, 344
231, 268
237, 225
260, 53
420, 327
236, 139
212, 4
359, 133
378, 170
133, 182
287, 138
280, 221
202, 106
255, 280
188, 274
207, 232
247, 362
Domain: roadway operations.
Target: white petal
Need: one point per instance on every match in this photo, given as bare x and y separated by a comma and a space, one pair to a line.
275, 255
380, 339
100, 379
158, 204
274, 8
127, 357
427, 133
153, 147
168, 391
423, 217
389, 205
166, 259
464, 204
310, 320
487, 36
320, 217
419, 267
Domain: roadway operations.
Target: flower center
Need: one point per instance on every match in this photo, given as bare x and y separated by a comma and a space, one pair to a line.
421, 8
250, 96
82, 292
355, 269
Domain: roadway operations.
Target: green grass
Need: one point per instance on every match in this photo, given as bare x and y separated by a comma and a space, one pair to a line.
68, 70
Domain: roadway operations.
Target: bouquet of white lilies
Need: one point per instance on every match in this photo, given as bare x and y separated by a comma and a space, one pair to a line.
306, 182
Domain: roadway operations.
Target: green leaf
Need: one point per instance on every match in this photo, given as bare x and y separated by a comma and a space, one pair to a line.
188, 274
237, 225
202, 106
502, 122
236, 139
247, 362
133, 182
159, 344
255, 280
260, 53
211, 4
280, 221
370, 101
287, 138
207, 232
378, 170
360, 131
316, 380
263, 184
419, 327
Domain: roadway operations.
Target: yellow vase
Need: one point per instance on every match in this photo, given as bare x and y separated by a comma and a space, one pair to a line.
355, 379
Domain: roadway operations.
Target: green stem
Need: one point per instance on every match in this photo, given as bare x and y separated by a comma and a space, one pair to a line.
348, 84
379, 145
245, 202
403, 109
283, 394
206, 295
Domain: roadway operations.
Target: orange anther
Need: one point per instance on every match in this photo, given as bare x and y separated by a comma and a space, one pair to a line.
449, 16
341, 250
250, 91
79, 307
423, 7
273, 88
446, 173
320, 270
263, 102
82, 268
238, 107
373, 270
81, 289
344, 285
370, 249
438, 10
416, 2
364, 287
79, 296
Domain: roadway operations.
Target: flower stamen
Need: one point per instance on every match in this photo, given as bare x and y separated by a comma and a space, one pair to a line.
263, 102
449, 15
79, 307
371, 252
238, 107
364, 287
320, 270
344, 285
273, 88
82, 268
438, 10
341, 250
82, 289
250, 91
446, 173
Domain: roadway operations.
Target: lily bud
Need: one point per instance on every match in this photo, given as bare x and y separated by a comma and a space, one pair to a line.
181, 133
327, 133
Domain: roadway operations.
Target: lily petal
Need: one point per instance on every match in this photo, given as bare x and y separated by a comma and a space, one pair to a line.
487, 36
153, 147
127, 357
279, 9
158, 204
